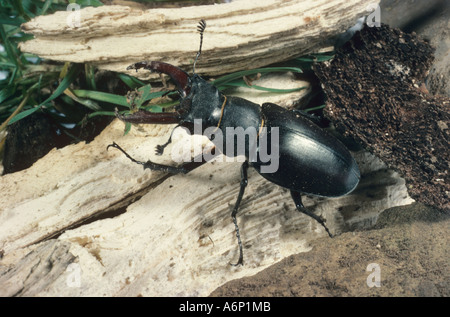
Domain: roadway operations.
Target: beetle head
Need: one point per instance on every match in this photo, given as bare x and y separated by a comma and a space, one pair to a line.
199, 99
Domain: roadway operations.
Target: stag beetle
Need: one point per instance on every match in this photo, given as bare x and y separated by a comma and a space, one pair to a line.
311, 161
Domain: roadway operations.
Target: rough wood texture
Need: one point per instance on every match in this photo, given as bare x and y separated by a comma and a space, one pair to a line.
177, 238
240, 35
37, 270
409, 245
75, 182
376, 93
172, 244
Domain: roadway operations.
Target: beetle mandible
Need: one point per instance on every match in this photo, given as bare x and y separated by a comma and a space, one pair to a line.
311, 161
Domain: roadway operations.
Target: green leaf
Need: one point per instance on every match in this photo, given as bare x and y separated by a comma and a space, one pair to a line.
11, 51
101, 113
85, 102
23, 114
321, 57
130, 81
145, 95
19, 8
237, 75
155, 108
306, 62
67, 80
89, 72
127, 128
314, 108
90, 3
11, 20
274, 90
7, 92
102, 96
45, 7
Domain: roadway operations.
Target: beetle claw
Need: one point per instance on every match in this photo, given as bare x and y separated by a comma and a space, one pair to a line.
179, 76
139, 65
159, 150
239, 262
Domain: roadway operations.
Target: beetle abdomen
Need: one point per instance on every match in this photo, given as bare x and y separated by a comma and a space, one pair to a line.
310, 160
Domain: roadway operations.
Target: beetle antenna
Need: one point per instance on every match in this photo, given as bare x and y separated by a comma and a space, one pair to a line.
200, 28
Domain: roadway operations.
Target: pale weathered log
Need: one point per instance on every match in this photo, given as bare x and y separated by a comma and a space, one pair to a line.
37, 270
178, 238
240, 35
74, 183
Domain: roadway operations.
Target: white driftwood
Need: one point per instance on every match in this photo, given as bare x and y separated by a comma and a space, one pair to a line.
240, 35
177, 239
64, 182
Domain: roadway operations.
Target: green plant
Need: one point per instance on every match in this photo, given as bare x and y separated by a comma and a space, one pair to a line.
70, 93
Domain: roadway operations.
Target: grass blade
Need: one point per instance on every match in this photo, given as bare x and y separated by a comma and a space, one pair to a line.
7, 92
274, 90
89, 72
23, 114
237, 75
102, 96
67, 80
9, 48
131, 82
85, 102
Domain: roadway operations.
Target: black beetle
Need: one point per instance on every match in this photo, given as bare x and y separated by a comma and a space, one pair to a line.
311, 161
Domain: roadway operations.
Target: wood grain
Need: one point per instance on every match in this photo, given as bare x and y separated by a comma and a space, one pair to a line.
240, 35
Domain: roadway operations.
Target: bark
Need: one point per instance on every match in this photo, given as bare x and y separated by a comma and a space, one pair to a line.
240, 35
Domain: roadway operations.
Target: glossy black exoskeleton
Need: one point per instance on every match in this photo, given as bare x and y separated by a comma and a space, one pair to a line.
310, 160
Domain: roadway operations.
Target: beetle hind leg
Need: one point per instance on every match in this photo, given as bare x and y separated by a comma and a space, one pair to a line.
244, 181
300, 207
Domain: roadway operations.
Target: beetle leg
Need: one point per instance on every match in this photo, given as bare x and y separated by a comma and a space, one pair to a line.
298, 203
160, 147
182, 169
151, 165
244, 181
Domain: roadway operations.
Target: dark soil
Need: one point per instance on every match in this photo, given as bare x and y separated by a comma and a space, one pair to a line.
34, 136
28, 140
376, 94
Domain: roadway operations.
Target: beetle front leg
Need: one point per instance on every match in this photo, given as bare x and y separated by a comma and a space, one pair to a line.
299, 204
151, 165
160, 147
183, 169
244, 182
